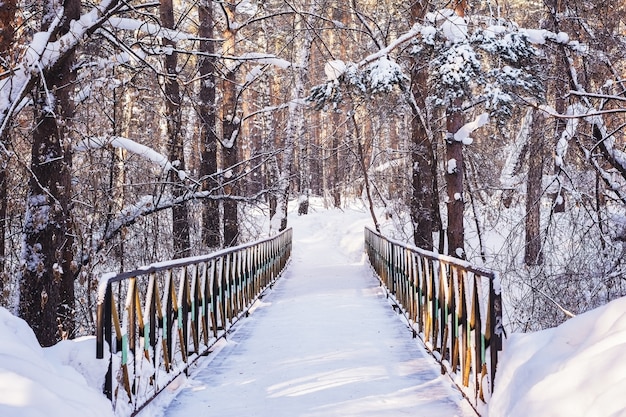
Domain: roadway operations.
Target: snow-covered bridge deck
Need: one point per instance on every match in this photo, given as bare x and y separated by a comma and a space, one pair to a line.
323, 342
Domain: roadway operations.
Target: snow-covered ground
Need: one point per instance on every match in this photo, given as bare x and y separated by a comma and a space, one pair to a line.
576, 369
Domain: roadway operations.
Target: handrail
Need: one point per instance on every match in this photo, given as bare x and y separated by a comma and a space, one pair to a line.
455, 307
159, 319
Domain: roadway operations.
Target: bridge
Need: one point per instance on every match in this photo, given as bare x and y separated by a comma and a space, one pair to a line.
290, 325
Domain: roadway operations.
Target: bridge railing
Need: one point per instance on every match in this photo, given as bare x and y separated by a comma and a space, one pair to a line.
154, 322
456, 309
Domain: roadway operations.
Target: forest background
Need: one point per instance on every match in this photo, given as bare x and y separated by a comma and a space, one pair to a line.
135, 131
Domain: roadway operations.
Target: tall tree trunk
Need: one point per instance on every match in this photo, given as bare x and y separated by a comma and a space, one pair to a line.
208, 133
337, 116
337, 133
7, 36
454, 170
533, 254
47, 279
454, 182
424, 200
173, 116
230, 131
295, 122
560, 87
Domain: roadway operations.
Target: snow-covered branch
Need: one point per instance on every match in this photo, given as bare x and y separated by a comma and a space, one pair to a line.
129, 145
42, 55
149, 29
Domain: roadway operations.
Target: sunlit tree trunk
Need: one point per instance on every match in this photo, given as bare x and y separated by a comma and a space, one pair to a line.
47, 280
454, 183
454, 177
424, 200
338, 118
295, 123
173, 116
230, 133
208, 133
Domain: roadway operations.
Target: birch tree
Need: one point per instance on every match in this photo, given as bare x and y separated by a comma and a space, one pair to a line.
295, 120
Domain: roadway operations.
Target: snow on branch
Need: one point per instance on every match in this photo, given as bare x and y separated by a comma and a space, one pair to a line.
259, 58
149, 29
568, 133
131, 146
454, 27
42, 54
414, 32
463, 134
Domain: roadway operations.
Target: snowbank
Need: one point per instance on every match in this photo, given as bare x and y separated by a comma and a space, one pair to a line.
576, 369
64, 380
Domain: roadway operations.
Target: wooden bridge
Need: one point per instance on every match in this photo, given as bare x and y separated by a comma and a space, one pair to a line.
162, 320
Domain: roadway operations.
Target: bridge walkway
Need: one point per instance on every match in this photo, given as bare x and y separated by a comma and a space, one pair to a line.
323, 342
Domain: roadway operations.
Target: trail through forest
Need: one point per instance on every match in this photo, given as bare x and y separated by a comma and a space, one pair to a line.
323, 342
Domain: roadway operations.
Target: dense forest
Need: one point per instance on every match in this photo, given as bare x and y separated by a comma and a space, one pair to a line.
135, 131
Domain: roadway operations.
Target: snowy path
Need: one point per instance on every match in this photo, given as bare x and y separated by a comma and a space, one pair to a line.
323, 342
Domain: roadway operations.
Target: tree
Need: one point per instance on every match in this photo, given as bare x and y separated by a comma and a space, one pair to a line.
7, 36
533, 251
294, 135
173, 117
454, 173
47, 280
208, 126
424, 200
231, 125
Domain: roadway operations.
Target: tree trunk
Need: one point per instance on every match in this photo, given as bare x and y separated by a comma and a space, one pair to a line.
173, 116
230, 131
424, 205
559, 87
208, 132
364, 167
533, 254
295, 128
7, 35
454, 183
296, 116
454, 176
47, 279
337, 134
